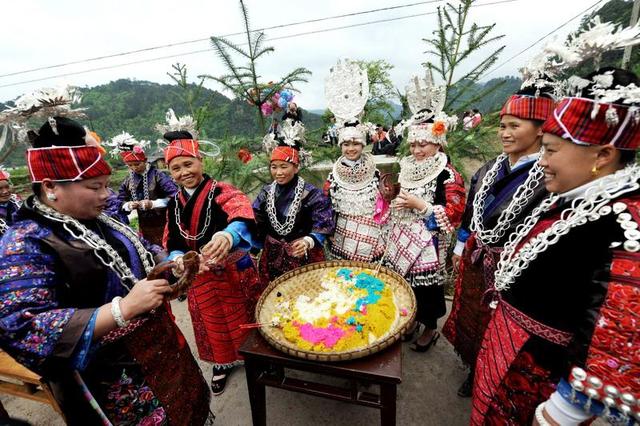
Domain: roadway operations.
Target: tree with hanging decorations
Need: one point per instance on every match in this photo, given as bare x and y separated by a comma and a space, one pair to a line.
244, 80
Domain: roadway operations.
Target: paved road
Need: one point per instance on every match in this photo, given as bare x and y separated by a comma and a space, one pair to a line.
427, 395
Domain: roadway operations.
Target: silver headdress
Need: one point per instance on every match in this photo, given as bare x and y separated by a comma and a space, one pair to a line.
185, 123
292, 133
426, 101
42, 103
124, 142
347, 92
174, 124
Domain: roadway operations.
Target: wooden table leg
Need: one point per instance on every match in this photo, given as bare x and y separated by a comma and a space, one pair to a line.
257, 397
388, 394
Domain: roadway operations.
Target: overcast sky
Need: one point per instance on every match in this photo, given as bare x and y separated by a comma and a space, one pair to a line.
38, 33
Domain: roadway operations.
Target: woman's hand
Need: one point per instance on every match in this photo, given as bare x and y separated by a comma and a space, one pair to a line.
145, 205
299, 248
217, 249
133, 205
143, 297
404, 200
455, 262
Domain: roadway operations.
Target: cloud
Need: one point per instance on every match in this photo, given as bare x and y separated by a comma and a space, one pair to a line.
44, 33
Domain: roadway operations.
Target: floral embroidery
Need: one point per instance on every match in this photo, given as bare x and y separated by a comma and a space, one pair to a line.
128, 402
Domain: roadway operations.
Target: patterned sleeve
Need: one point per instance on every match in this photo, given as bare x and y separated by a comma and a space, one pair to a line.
260, 213
123, 193
234, 203
448, 216
321, 212
612, 364
34, 328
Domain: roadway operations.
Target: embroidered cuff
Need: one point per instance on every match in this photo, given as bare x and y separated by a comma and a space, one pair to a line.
458, 249
563, 412
463, 235
442, 219
319, 238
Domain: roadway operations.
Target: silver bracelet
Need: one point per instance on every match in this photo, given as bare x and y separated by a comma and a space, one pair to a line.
309, 241
540, 416
117, 313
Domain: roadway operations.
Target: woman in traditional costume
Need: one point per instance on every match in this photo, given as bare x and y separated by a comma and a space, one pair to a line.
146, 189
427, 210
502, 193
76, 306
294, 217
217, 220
562, 344
353, 184
9, 202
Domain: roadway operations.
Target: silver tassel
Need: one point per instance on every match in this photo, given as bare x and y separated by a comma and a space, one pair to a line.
54, 125
611, 117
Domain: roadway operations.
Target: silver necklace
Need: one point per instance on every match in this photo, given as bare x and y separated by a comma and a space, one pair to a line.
207, 220
3, 226
414, 174
106, 254
356, 177
285, 228
590, 207
522, 195
145, 184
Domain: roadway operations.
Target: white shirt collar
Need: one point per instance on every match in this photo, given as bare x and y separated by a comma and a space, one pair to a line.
190, 191
525, 159
579, 191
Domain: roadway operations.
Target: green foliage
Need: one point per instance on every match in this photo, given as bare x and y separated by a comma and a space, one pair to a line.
242, 80
381, 90
479, 143
454, 42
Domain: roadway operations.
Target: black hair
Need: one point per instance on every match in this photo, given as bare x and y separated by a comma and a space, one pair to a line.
476, 110
620, 77
627, 156
68, 132
177, 134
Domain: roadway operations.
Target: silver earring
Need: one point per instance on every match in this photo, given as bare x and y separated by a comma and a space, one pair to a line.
51, 196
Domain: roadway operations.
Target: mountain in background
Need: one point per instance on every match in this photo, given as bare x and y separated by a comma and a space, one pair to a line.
135, 106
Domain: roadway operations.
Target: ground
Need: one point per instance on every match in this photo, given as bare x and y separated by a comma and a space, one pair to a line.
427, 395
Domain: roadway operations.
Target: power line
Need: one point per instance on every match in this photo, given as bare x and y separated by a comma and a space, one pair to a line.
181, 43
324, 30
542, 38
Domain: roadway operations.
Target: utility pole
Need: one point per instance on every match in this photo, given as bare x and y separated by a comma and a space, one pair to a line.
627, 50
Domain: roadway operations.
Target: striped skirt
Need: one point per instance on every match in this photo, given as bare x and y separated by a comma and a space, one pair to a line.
219, 302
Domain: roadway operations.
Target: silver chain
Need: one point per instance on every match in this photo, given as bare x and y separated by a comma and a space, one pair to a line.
513, 210
207, 219
106, 254
587, 208
145, 184
3, 226
284, 228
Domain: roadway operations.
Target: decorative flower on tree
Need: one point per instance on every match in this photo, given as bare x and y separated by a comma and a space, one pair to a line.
244, 155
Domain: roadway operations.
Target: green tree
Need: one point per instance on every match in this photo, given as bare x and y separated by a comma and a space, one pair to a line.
243, 80
381, 90
452, 43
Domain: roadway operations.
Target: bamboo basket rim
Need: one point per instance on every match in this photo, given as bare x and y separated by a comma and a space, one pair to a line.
338, 356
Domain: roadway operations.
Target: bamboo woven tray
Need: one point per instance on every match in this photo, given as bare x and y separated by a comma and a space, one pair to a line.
306, 280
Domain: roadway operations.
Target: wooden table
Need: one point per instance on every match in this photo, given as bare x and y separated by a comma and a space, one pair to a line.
265, 366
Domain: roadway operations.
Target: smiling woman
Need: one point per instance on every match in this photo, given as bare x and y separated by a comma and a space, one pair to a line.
217, 220
76, 306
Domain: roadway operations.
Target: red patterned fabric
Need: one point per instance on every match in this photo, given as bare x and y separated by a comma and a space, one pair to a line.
503, 341
182, 148
234, 202
469, 314
132, 156
572, 120
613, 353
528, 107
219, 302
286, 153
275, 259
455, 198
66, 163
